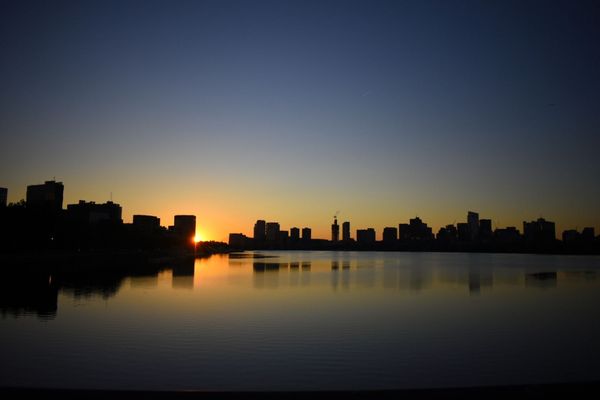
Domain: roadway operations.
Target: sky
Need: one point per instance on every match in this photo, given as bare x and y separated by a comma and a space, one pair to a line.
290, 111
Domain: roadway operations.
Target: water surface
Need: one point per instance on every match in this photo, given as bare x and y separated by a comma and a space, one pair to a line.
310, 320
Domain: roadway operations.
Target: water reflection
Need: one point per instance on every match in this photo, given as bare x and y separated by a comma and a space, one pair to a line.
544, 280
29, 295
37, 293
183, 275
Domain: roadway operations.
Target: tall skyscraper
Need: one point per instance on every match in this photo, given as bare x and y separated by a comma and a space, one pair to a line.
295, 234
185, 226
306, 234
335, 230
473, 221
260, 230
346, 231
48, 195
272, 233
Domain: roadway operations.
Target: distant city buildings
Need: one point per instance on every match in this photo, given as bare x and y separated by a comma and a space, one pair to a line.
508, 235
272, 233
92, 213
335, 231
390, 235
185, 226
40, 222
473, 225
365, 236
237, 241
346, 231
48, 195
3, 197
91, 225
485, 229
146, 223
306, 235
416, 229
540, 231
260, 229
294, 234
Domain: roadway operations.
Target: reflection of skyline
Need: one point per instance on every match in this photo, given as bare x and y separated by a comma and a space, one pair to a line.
418, 276
37, 295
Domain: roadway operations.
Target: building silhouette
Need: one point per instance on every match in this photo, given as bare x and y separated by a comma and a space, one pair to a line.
463, 232
588, 234
294, 234
238, 240
3, 196
272, 232
447, 234
390, 235
346, 231
306, 234
91, 213
508, 235
415, 230
539, 232
570, 236
146, 223
365, 236
335, 231
185, 226
260, 229
473, 223
48, 195
485, 229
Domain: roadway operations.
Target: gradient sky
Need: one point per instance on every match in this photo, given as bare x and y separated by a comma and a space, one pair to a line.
289, 111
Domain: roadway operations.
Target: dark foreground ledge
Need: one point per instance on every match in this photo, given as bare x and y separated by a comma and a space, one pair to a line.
541, 391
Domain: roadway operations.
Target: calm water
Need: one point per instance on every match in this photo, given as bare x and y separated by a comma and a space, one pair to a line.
311, 320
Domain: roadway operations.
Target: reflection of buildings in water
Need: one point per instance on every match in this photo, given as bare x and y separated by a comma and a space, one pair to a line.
335, 278
478, 278
365, 276
577, 276
261, 266
182, 281
183, 275
419, 278
305, 276
86, 285
346, 264
266, 274
335, 264
27, 295
294, 265
306, 265
294, 274
345, 278
543, 280
142, 282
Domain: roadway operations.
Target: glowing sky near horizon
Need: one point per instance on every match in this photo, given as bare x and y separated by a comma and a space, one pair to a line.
289, 111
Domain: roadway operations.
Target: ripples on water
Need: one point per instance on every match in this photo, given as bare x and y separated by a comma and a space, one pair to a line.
308, 320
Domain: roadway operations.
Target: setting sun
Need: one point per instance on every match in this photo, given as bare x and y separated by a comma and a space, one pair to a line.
197, 238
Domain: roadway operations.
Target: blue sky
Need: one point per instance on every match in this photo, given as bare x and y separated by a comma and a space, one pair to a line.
290, 111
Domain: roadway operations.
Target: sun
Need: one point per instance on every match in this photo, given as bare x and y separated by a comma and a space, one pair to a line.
197, 238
